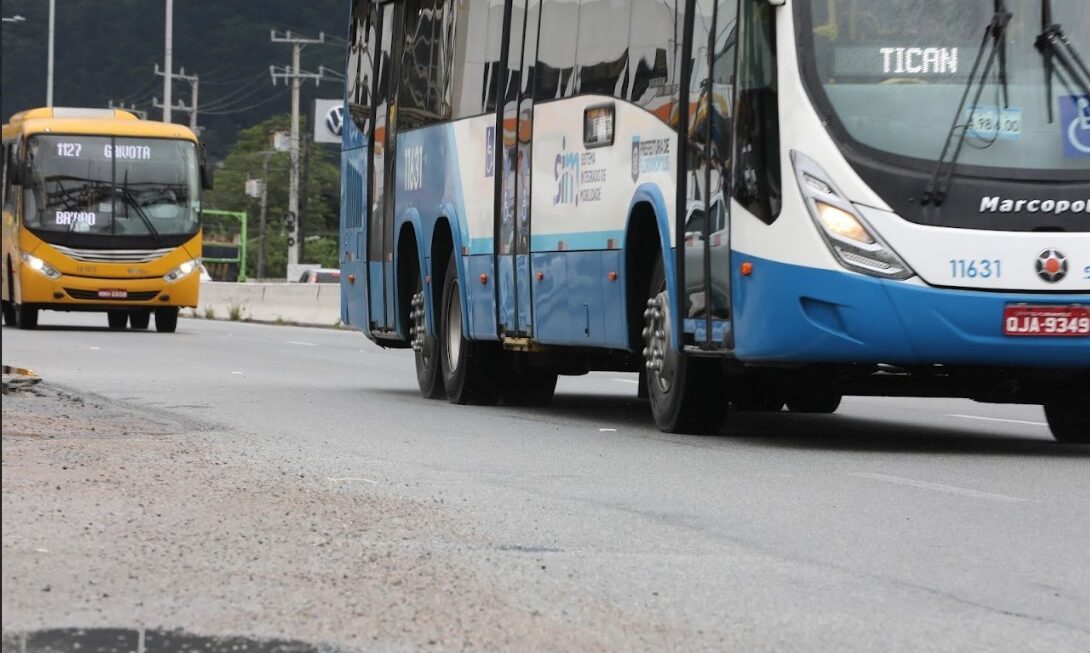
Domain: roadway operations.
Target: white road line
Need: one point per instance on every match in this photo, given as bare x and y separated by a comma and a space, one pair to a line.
938, 487
607, 430
636, 381
998, 419
301, 343
344, 479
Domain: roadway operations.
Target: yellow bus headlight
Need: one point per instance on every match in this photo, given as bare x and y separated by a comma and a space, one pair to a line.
38, 265
182, 270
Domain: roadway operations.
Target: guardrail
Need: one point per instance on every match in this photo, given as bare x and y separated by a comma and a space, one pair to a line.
299, 303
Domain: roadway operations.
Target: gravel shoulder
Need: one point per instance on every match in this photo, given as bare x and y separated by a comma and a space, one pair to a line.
113, 517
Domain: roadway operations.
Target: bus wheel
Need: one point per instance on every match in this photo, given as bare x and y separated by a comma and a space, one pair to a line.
688, 395
140, 319
815, 400
428, 370
757, 395
9, 313
529, 387
117, 320
26, 317
166, 319
469, 367
1069, 420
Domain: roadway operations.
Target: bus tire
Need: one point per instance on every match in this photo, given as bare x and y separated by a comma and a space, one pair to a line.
140, 320
1068, 419
758, 396
117, 320
26, 317
166, 319
815, 400
429, 372
529, 387
687, 394
9, 313
469, 367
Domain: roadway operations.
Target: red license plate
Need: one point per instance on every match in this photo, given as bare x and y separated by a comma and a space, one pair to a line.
110, 293
1048, 321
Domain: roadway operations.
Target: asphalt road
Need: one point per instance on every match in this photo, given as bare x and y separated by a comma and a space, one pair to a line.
895, 524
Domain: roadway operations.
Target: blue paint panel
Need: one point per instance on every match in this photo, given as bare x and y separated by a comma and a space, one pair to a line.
481, 298
522, 281
613, 301
798, 314
375, 289
506, 277
571, 305
587, 240
353, 246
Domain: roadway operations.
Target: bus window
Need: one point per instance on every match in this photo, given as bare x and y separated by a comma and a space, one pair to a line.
361, 46
603, 47
469, 78
556, 53
424, 95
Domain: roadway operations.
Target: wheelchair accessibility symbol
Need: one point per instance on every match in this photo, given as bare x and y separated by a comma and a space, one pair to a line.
1075, 120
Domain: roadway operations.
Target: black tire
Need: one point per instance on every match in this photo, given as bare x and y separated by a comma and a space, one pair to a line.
690, 395
166, 319
815, 400
26, 317
9, 313
1069, 420
117, 320
529, 387
140, 320
469, 368
429, 371
757, 396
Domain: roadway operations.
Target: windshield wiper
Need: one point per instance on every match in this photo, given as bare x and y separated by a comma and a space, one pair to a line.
995, 31
127, 195
1052, 43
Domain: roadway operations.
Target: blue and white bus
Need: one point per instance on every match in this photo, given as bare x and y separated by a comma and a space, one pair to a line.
753, 203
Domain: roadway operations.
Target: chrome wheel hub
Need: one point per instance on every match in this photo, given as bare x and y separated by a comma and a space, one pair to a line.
454, 330
660, 358
418, 326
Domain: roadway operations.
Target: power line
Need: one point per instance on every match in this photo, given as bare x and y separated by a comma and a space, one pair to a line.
247, 108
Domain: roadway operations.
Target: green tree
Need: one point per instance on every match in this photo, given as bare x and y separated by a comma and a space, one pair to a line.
319, 208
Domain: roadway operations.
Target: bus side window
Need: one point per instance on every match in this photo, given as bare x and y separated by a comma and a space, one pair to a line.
559, 26
603, 47
4, 177
10, 154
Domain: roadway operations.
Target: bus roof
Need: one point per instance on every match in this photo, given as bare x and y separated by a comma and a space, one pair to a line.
106, 122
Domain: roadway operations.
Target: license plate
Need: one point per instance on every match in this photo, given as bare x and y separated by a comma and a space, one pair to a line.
1049, 321
109, 293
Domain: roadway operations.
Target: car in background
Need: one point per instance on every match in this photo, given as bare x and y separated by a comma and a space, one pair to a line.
321, 275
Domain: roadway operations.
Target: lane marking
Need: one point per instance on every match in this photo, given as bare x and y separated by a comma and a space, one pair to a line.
938, 487
301, 343
345, 479
998, 419
636, 381
96, 348
238, 373
607, 430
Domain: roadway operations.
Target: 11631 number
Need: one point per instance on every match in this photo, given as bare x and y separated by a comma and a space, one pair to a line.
987, 268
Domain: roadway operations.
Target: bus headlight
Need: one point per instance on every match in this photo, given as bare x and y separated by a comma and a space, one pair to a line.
854, 243
182, 270
41, 266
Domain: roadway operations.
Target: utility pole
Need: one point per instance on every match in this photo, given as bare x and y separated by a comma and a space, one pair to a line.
49, 57
168, 60
296, 76
194, 87
263, 215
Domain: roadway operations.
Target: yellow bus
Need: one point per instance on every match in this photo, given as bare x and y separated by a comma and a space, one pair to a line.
102, 212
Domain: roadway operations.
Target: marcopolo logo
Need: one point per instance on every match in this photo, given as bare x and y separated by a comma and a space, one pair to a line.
1051, 265
997, 204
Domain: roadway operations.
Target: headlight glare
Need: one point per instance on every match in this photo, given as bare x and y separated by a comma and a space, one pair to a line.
40, 266
842, 223
181, 271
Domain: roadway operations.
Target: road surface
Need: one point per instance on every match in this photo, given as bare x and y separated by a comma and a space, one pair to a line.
348, 510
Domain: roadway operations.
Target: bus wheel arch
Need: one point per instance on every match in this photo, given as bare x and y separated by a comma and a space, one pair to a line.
642, 247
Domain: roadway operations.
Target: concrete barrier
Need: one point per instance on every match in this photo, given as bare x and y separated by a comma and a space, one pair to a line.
298, 303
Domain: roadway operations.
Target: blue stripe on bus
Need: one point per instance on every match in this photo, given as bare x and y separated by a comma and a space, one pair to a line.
792, 313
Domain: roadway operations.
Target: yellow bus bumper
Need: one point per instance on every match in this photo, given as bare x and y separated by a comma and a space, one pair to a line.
92, 293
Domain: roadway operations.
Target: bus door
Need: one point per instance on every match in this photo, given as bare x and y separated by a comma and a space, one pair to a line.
380, 238
704, 226
515, 127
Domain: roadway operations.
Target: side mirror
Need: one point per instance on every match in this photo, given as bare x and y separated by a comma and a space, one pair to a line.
20, 173
206, 172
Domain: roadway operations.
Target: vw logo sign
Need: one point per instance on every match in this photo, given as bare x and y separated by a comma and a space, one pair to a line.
1051, 265
334, 120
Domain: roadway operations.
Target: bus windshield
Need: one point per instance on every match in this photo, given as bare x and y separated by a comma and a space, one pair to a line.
891, 73
113, 186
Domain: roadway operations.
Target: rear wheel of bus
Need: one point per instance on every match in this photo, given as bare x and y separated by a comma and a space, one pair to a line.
469, 367
139, 320
688, 394
166, 319
429, 373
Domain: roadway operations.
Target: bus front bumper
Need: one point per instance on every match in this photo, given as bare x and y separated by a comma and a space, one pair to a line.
93, 293
788, 313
